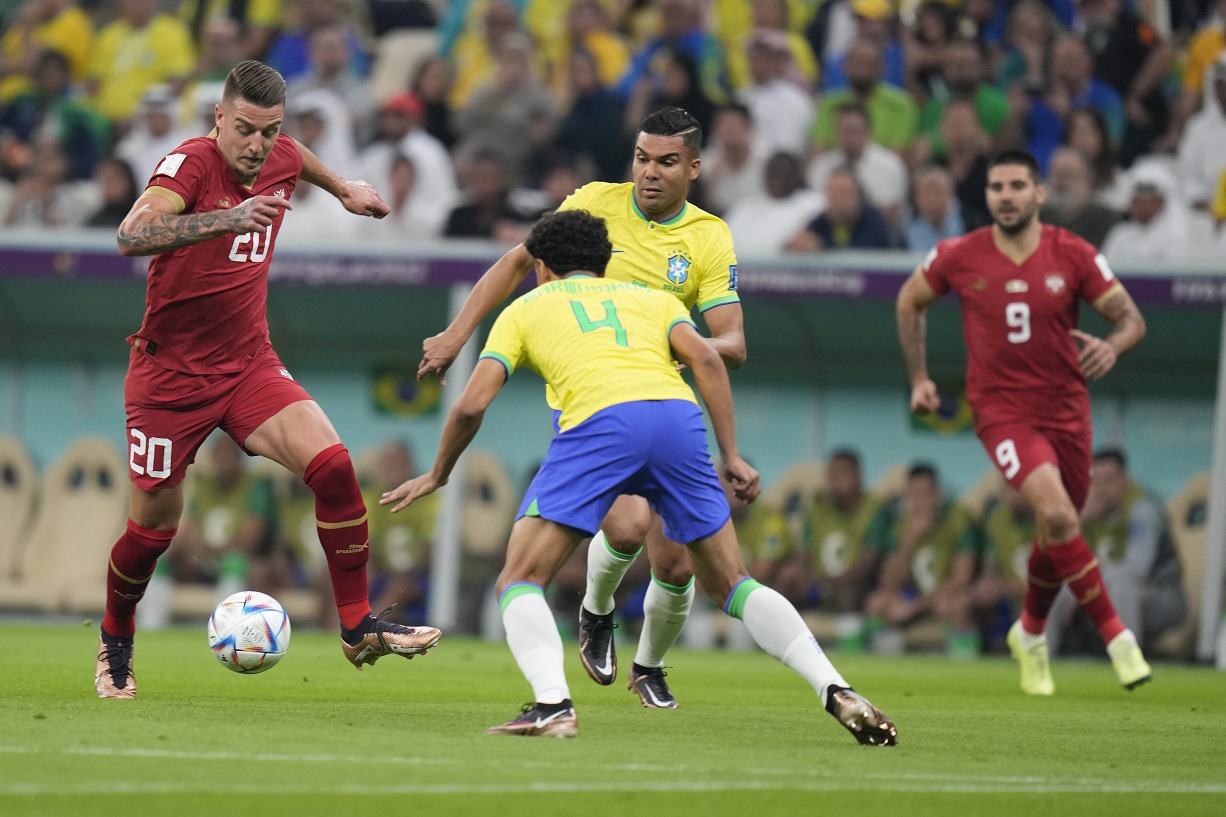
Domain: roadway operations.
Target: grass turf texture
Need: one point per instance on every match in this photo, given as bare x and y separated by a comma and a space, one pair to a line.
314, 737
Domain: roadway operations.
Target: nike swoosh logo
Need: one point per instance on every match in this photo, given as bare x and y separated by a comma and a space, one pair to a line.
608, 661
656, 700
542, 721
617, 250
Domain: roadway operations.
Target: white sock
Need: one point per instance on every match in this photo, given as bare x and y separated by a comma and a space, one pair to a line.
781, 632
665, 609
532, 635
605, 569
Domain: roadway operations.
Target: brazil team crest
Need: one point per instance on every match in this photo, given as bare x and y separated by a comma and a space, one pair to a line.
678, 269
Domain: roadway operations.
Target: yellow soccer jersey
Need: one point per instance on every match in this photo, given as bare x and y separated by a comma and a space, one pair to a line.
598, 343
689, 256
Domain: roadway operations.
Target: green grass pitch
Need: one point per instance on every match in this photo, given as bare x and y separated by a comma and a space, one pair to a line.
314, 737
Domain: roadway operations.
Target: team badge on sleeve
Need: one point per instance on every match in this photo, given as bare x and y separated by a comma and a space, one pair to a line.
732, 277
678, 269
170, 165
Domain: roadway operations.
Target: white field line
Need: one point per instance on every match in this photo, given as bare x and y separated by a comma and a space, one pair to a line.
807, 779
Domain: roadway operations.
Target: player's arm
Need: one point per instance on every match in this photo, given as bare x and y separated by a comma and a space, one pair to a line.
156, 223
727, 325
1098, 355
461, 426
495, 286
358, 197
914, 298
695, 351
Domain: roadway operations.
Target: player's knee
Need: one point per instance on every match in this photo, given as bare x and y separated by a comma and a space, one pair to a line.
1058, 519
331, 477
626, 532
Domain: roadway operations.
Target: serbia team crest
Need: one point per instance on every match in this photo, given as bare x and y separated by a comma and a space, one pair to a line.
678, 269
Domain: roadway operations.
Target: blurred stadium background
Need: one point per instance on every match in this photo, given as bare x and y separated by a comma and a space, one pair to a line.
472, 118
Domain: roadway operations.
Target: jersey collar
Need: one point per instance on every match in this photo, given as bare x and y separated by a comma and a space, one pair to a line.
635, 205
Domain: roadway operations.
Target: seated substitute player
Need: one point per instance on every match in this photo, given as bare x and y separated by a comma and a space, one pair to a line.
834, 570
1008, 531
1020, 283
930, 547
203, 360
629, 423
664, 243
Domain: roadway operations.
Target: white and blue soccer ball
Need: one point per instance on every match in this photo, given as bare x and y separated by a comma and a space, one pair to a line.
249, 632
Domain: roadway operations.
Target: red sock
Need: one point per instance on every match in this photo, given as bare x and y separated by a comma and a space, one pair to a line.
1076, 564
340, 516
1042, 585
132, 561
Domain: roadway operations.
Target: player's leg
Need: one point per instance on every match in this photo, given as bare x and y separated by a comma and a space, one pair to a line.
778, 629
670, 594
535, 553
153, 517
272, 416
162, 443
609, 555
685, 490
1079, 567
583, 473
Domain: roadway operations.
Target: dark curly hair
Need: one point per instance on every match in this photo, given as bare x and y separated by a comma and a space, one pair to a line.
674, 122
571, 240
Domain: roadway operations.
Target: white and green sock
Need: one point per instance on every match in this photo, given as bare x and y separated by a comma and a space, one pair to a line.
665, 609
532, 635
781, 632
605, 570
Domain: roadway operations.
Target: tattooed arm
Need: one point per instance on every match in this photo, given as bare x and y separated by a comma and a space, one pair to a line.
156, 224
1098, 355
916, 296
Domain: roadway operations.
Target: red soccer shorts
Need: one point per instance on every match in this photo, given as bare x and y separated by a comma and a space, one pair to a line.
1017, 449
170, 414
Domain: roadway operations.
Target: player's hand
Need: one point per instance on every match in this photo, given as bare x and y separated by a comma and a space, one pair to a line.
744, 479
409, 491
437, 354
361, 199
924, 397
256, 213
1097, 356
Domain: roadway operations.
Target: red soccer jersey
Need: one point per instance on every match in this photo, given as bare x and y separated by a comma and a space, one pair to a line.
1022, 363
206, 304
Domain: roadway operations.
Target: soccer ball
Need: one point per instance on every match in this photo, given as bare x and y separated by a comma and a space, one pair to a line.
249, 632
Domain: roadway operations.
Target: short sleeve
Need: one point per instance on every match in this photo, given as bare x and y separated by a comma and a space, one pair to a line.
1096, 275
936, 267
717, 281
674, 313
180, 173
506, 343
581, 199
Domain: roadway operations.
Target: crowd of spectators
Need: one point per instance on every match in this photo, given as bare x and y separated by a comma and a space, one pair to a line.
828, 124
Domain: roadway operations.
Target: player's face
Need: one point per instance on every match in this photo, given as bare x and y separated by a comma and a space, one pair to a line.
663, 171
1013, 197
246, 134
843, 480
